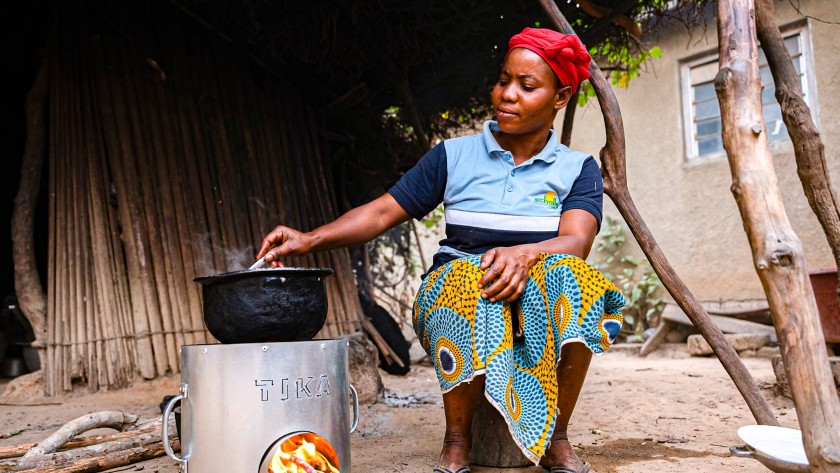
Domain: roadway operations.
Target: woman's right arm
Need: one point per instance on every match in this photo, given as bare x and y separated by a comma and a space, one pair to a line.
359, 225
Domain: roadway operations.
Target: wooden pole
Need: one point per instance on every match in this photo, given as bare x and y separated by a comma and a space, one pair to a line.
121, 323
52, 279
807, 145
615, 186
777, 252
194, 211
149, 149
177, 251
119, 144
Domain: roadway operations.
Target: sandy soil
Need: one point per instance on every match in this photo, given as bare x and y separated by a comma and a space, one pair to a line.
665, 413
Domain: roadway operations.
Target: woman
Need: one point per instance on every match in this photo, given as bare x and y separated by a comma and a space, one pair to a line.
509, 262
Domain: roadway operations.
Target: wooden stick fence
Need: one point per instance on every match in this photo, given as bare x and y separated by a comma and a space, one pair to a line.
165, 165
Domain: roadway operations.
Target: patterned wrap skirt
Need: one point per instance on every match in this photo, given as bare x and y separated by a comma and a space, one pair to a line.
565, 299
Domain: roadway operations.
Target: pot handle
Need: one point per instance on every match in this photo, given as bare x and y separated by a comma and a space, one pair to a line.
741, 451
165, 426
355, 409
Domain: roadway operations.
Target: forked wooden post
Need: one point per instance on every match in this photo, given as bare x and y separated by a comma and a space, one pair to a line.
777, 252
615, 186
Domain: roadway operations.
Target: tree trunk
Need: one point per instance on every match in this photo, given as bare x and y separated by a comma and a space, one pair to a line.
30, 294
777, 252
807, 145
615, 186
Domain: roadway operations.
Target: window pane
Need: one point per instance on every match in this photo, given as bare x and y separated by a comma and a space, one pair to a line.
773, 119
704, 92
707, 109
710, 145
703, 73
792, 45
768, 95
708, 127
765, 76
797, 64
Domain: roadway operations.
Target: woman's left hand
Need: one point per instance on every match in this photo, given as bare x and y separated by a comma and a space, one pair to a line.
507, 272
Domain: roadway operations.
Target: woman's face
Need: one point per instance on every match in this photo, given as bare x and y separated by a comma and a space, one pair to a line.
527, 96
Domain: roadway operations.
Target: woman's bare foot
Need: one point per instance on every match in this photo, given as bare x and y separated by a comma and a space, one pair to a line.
560, 453
459, 407
455, 453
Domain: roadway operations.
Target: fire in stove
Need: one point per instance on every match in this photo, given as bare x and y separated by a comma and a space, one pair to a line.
304, 453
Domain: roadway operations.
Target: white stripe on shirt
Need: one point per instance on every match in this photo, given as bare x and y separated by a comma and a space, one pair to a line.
492, 221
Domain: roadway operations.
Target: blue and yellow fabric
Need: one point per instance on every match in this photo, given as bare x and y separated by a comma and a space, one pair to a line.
565, 300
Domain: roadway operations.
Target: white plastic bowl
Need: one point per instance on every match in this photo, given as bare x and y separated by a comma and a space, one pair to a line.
778, 448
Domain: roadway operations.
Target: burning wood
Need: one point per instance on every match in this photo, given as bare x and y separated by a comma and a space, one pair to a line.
299, 455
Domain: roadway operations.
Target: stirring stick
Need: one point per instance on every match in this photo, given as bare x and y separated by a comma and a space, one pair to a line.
259, 264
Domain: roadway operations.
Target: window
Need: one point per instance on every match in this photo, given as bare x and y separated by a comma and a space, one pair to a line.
700, 104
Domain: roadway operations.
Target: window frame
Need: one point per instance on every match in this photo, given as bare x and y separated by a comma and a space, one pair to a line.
691, 154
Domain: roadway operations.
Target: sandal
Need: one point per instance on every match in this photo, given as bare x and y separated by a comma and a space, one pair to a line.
442, 469
563, 469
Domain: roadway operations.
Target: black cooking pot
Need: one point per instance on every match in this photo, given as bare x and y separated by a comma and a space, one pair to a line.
265, 305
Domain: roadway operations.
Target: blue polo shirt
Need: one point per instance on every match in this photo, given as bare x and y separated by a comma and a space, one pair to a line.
491, 202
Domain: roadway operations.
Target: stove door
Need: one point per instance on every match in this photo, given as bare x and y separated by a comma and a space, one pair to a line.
301, 452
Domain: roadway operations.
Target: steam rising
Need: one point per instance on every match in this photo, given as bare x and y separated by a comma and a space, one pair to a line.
207, 251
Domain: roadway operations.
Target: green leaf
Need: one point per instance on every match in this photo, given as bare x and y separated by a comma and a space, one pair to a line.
582, 99
656, 52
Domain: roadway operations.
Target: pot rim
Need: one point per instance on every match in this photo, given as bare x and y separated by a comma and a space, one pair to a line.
259, 273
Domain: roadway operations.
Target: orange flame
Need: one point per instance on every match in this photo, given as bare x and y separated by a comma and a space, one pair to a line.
297, 455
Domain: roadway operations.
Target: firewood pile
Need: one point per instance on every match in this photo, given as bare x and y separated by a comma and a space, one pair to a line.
65, 451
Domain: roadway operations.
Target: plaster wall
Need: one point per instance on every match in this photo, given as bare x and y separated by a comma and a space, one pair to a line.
689, 207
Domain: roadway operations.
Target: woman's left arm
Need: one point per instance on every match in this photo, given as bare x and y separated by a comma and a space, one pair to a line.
507, 267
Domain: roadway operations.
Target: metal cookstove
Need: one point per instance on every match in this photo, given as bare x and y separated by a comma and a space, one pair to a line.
264, 408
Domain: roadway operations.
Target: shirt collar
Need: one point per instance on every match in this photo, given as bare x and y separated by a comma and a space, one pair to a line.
548, 153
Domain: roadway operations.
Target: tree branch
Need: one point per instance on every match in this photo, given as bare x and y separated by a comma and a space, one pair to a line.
605, 21
807, 145
617, 17
613, 168
115, 420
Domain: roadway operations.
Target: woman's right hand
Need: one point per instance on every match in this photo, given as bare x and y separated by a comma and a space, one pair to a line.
283, 241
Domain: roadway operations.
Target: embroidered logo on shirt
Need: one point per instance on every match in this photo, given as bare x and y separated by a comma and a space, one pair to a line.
549, 199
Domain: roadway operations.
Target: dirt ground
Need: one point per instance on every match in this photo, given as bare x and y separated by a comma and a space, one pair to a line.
665, 413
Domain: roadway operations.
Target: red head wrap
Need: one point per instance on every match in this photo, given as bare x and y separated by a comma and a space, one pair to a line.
564, 53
